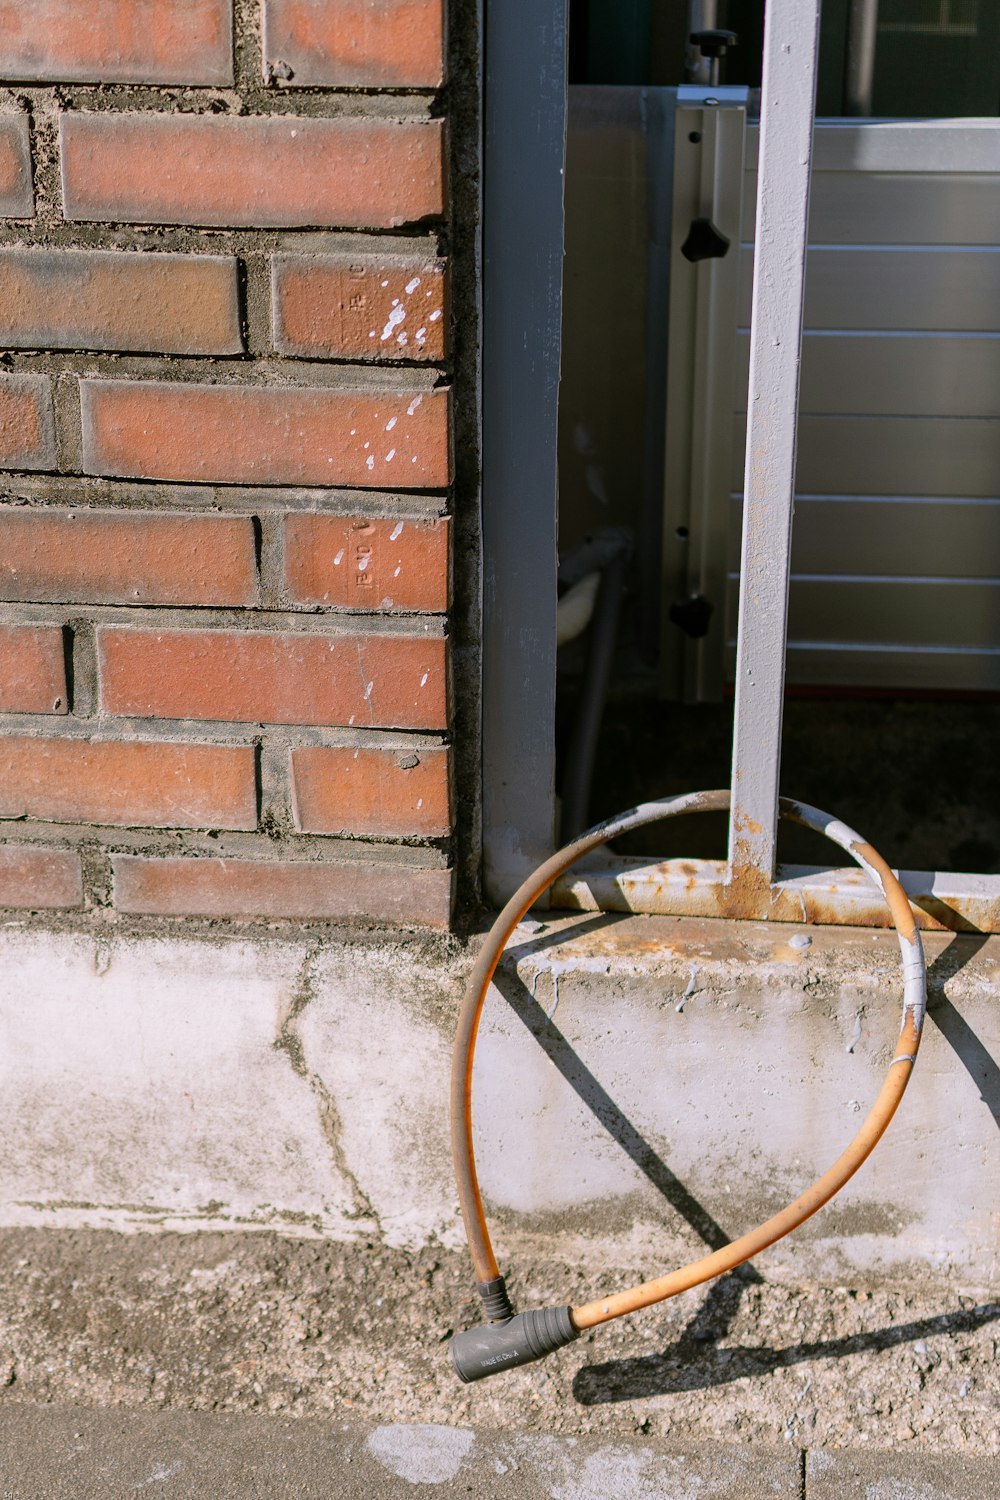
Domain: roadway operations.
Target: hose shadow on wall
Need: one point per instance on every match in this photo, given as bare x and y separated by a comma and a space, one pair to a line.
689, 1363
717, 1311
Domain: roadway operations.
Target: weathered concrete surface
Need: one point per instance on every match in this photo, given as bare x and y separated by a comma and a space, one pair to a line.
644, 1087
60, 1453
49, 1453
263, 1323
894, 1476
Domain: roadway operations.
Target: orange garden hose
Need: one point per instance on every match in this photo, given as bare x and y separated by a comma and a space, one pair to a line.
507, 1340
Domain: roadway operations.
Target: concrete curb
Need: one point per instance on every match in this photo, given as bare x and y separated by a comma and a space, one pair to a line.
74, 1453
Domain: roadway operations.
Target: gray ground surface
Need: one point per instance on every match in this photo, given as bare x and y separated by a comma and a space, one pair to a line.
55, 1454
252, 1323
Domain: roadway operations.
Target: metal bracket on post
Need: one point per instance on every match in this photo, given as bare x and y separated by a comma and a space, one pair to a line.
704, 283
788, 97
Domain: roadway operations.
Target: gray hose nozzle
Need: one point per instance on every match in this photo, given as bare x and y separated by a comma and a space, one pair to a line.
494, 1347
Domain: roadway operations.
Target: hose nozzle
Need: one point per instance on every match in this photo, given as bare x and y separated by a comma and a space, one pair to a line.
494, 1347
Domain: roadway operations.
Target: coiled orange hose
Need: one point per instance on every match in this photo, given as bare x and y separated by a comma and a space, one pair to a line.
617, 1304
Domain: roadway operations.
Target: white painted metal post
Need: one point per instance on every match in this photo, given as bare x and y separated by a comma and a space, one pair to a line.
788, 95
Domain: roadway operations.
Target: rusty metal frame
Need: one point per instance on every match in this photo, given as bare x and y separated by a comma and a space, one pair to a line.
708, 174
804, 894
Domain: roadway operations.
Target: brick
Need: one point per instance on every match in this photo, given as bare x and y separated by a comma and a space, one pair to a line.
126, 782
273, 171
354, 563
126, 300
39, 879
355, 308
384, 793
376, 681
240, 434
57, 556
265, 889
359, 43
32, 669
27, 425
17, 196
117, 41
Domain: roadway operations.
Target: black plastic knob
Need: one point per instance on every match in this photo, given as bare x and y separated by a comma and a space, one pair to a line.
704, 241
693, 616
714, 43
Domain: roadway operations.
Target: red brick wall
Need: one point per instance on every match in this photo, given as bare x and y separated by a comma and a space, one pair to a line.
226, 441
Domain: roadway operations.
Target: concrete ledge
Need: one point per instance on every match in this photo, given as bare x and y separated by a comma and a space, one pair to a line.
60, 1453
52, 1453
644, 1087
895, 1476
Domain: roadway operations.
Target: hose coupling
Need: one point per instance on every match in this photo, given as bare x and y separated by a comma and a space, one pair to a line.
496, 1303
519, 1340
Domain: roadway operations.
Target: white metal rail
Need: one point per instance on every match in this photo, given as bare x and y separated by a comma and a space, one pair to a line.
788, 98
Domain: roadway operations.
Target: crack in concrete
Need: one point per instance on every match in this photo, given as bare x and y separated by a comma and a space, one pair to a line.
289, 1042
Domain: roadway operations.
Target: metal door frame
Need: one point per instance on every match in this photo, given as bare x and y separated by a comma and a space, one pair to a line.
523, 162
524, 151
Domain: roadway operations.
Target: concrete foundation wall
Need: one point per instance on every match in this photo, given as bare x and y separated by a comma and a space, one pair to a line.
645, 1087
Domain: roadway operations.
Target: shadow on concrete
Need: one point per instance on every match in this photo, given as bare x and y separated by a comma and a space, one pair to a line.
604, 1109
980, 1065
688, 1364
721, 1304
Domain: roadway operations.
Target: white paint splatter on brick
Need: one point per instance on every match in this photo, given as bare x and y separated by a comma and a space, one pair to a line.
370, 461
396, 532
410, 410
339, 558
390, 455
394, 319
411, 286
391, 423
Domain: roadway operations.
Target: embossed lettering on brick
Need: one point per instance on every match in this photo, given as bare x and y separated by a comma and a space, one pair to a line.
357, 308
351, 562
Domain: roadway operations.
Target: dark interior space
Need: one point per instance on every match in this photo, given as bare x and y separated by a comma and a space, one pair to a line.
932, 57
916, 777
